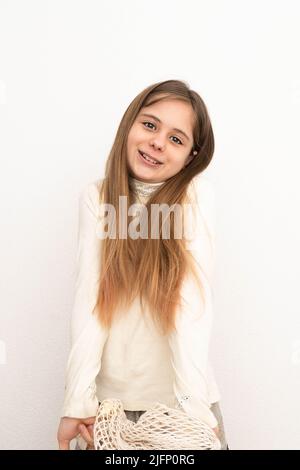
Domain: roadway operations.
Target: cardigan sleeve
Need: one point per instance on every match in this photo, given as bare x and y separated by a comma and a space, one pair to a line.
189, 342
87, 335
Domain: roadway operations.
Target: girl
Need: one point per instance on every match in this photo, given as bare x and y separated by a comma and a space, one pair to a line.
142, 313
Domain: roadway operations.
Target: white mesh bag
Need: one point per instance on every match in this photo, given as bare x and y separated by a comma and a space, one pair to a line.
158, 428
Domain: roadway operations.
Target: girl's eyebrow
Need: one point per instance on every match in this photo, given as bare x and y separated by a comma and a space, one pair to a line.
158, 120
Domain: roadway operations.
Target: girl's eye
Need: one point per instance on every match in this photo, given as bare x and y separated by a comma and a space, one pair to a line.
179, 141
146, 122
151, 123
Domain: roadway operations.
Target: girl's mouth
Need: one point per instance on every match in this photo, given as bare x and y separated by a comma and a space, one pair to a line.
148, 161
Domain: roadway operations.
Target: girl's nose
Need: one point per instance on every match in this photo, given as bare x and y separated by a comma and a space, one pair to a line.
157, 143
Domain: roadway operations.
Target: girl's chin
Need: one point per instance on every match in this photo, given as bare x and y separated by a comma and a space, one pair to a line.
147, 174
144, 177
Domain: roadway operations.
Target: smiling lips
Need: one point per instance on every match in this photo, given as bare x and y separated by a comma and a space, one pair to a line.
149, 159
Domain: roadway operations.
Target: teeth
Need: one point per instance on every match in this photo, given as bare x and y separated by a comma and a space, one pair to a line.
149, 159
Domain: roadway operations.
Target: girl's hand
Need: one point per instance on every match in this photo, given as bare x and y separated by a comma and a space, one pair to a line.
69, 428
87, 432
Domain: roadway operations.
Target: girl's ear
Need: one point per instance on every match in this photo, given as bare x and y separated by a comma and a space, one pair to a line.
190, 157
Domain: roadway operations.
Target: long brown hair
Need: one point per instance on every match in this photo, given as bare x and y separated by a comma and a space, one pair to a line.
152, 269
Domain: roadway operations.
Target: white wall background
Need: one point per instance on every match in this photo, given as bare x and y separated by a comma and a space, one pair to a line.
68, 71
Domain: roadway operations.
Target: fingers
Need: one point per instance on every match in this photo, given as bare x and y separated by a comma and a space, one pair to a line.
91, 430
69, 428
64, 445
85, 434
90, 420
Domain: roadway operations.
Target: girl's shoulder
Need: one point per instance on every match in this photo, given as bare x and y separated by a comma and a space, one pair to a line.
90, 195
92, 188
202, 200
202, 192
201, 184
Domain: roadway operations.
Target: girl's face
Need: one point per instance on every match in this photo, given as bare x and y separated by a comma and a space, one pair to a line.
166, 137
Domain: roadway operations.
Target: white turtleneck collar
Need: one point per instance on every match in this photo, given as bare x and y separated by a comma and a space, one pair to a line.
141, 188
